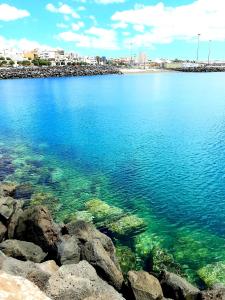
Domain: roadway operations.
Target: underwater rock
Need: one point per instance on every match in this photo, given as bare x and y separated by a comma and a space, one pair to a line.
79, 282
23, 191
160, 259
144, 286
82, 215
57, 175
69, 251
177, 288
126, 258
6, 167
35, 225
213, 273
127, 226
17, 288
22, 250
46, 199
102, 211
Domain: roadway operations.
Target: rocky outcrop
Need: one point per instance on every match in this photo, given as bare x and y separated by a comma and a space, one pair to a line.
18, 288
34, 272
79, 282
35, 225
58, 71
98, 250
3, 231
144, 286
22, 250
177, 288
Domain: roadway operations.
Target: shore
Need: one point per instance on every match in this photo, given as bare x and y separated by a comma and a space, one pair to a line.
141, 71
58, 71
40, 259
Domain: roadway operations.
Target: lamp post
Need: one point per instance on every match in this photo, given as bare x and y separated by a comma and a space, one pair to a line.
198, 45
210, 42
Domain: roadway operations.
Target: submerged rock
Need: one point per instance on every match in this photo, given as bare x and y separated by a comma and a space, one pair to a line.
126, 259
144, 286
213, 273
79, 282
101, 211
127, 226
18, 288
22, 250
23, 191
177, 288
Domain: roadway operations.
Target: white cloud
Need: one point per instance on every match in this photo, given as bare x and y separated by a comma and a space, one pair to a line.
109, 1
77, 26
62, 9
10, 13
21, 44
163, 24
81, 8
61, 25
94, 37
120, 25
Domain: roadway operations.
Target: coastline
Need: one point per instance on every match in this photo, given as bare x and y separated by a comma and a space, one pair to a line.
142, 71
58, 71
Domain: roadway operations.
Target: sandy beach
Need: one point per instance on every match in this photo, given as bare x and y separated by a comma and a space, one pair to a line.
141, 71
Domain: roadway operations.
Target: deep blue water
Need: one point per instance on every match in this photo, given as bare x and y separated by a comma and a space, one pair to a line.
157, 137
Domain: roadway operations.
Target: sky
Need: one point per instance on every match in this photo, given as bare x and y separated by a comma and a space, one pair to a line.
115, 28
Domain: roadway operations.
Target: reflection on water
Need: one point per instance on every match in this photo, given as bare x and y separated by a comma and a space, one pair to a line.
140, 156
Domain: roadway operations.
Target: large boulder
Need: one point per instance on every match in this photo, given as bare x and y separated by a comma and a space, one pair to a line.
214, 294
7, 189
94, 252
22, 250
69, 251
86, 232
177, 288
7, 207
37, 273
79, 282
98, 250
18, 288
144, 286
35, 225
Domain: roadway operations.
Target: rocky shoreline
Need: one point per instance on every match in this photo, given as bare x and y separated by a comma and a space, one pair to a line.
40, 259
57, 71
202, 69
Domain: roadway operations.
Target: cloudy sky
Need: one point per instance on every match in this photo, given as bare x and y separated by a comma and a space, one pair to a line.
166, 28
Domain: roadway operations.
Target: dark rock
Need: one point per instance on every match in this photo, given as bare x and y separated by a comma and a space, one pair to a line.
3, 231
22, 250
144, 286
217, 293
79, 282
6, 167
69, 251
94, 252
23, 191
36, 225
177, 288
87, 232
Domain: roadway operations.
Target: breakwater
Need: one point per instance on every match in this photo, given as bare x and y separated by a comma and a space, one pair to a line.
58, 71
202, 69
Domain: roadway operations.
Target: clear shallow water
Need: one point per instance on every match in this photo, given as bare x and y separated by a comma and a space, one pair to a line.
150, 144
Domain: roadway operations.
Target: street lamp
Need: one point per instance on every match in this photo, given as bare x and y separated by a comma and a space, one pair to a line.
210, 42
198, 45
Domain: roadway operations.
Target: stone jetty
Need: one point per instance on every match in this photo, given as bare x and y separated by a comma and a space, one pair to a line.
201, 69
57, 71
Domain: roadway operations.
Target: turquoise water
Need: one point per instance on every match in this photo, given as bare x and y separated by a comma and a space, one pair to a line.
152, 145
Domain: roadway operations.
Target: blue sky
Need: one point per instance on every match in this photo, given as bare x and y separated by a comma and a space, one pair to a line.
116, 27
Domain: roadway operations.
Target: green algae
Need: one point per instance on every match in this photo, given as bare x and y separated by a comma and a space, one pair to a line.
127, 259
213, 273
